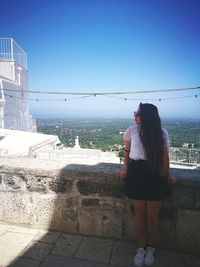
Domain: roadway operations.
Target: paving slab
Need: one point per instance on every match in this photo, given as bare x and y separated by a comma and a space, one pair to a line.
95, 249
47, 237
25, 263
122, 254
4, 228
166, 258
25, 230
52, 261
11, 245
37, 251
191, 260
29, 247
67, 245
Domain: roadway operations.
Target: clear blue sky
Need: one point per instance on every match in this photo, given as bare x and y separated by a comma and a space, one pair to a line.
108, 45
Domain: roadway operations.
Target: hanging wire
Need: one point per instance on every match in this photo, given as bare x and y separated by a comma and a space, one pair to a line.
104, 93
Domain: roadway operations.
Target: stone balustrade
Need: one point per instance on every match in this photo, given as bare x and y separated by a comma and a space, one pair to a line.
88, 200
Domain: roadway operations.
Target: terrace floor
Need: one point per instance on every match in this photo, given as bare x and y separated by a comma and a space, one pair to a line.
22, 246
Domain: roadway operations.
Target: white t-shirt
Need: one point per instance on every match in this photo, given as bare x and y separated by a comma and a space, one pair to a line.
137, 149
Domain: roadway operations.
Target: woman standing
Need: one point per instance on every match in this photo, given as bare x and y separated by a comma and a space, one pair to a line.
147, 181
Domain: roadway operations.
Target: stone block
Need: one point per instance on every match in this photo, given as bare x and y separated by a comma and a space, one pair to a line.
16, 207
167, 203
56, 212
197, 199
188, 234
90, 221
183, 197
101, 220
166, 258
67, 245
90, 202
44, 208
187, 177
102, 189
60, 187
168, 213
65, 216
95, 249
35, 183
129, 231
191, 260
12, 181
167, 234
112, 223
8, 178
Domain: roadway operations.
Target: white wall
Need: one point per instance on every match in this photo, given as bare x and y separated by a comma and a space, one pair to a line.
7, 70
16, 106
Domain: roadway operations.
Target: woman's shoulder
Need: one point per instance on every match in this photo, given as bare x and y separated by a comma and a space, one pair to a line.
130, 132
132, 128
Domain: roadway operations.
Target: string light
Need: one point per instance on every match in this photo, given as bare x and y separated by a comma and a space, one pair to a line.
154, 99
122, 98
42, 99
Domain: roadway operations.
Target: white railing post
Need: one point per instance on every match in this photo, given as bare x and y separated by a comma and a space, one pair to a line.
2, 102
11, 49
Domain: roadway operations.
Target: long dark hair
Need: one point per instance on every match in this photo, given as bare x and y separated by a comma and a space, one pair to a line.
152, 137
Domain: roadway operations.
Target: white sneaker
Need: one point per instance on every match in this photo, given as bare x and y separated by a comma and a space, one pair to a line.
149, 256
139, 257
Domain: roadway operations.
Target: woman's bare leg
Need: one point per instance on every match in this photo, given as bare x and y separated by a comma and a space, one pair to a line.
153, 208
140, 213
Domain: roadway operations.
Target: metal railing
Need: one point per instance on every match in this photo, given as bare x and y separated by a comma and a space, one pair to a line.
11, 51
185, 155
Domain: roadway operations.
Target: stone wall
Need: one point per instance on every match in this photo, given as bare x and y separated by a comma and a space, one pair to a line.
88, 200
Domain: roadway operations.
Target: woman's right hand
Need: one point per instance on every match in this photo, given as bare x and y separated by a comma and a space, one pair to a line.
121, 175
172, 179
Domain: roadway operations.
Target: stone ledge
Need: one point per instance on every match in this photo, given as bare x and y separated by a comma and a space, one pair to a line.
88, 199
101, 170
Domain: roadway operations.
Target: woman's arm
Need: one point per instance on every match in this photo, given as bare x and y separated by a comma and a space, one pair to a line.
127, 146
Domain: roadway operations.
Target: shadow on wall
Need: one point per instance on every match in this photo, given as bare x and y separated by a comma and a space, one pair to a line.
81, 199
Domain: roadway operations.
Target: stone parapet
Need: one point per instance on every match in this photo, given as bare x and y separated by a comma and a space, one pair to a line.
88, 200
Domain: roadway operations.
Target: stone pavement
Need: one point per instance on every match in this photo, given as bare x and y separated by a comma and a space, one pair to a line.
22, 246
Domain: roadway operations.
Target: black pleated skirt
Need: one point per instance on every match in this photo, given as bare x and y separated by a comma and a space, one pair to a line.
140, 184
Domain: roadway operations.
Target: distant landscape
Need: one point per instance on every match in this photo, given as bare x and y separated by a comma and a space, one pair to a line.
107, 134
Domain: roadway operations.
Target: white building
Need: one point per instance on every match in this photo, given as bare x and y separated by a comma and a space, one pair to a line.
26, 144
45, 146
14, 106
